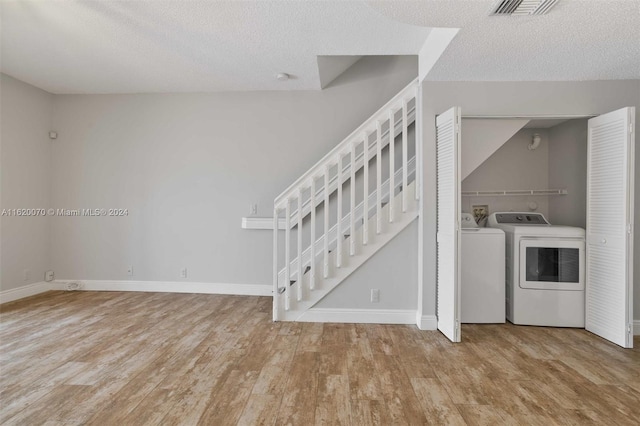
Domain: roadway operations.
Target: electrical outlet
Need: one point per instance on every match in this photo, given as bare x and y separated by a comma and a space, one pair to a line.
48, 276
375, 295
480, 213
26, 274
183, 273
130, 270
253, 209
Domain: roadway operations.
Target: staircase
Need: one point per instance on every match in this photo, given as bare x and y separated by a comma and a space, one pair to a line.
345, 208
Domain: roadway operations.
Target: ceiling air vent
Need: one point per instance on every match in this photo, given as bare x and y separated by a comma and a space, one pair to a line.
523, 7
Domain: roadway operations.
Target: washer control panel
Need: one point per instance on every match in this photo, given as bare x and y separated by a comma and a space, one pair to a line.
520, 218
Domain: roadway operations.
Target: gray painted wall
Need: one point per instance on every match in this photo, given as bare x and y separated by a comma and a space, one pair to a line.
511, 167
483, 137
25, 181
187, 166
393, 270
568, 169
514, 98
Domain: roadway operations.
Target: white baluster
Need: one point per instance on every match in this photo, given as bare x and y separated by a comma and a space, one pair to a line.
352, 202
339, 235
276, 297
365, 201
299, 235
417, 109
287, 255
312, 272
392, 165
404, 156
326, 222
378, 177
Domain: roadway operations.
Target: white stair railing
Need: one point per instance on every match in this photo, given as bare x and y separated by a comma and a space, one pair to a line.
341, 166
346, 225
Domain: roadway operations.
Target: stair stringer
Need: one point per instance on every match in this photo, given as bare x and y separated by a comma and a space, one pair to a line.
363, 253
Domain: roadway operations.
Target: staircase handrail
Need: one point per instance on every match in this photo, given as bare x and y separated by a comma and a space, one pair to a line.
318, 168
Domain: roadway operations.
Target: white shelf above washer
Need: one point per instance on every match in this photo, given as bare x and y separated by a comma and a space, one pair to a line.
515, 193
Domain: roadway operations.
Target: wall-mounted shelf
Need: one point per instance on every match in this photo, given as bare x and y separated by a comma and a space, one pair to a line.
261, 223
515, 193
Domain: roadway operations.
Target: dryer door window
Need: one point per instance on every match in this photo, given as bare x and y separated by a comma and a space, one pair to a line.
552, 265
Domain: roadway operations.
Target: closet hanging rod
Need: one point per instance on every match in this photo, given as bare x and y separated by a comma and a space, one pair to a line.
517, 192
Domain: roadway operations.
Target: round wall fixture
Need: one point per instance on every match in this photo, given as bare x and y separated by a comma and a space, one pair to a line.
283, 76
535, 142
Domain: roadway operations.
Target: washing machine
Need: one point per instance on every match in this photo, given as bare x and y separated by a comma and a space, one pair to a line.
545, 273
482, 282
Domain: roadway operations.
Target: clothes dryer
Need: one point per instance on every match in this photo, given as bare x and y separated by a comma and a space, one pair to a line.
545, 271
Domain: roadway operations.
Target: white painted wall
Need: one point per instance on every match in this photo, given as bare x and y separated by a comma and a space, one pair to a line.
25, 165
187, 167
568, 169
512, 167
513, 98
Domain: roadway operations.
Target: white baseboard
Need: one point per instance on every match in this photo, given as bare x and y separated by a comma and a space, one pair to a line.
10, 295
636, 327
168, 287
7, 296
426, 322
359, 316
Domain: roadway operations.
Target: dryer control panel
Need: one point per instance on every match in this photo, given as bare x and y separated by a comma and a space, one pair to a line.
519, 218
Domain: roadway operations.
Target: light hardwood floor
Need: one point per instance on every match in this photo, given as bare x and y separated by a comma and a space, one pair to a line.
105, 358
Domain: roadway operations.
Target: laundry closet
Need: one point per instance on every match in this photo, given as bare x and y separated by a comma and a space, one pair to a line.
560, 189
503, 159
530, 166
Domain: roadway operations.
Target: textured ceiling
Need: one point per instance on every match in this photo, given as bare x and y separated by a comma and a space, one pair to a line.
105, 46
189, 46
576, 40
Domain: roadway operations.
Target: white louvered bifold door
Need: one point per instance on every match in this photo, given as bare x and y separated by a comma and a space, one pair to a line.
609, 259
448, 236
